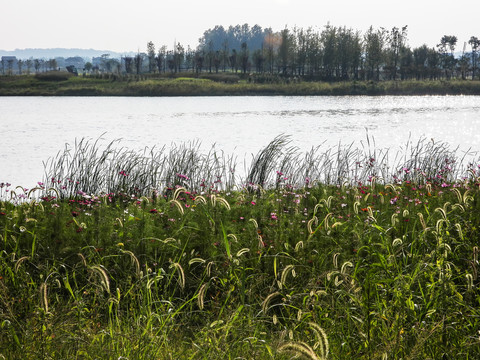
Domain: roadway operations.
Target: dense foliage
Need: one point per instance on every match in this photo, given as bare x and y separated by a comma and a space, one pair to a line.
363, 268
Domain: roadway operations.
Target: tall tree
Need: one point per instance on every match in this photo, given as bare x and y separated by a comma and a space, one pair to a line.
285, 51
189, 59
224, 53
271, 43
420, 57
20, 66
89, 66
151, 57
128, 60
29, 64
314, 52
475, 44
448, 42
138, 61
233, 60
178, 57
348, 53
199, 59
396, 39
258, 60
160, 59
37, 64
210, 55
302, 49
244, 57
406, 63
374, 52
10, 67
52, 64
433, 64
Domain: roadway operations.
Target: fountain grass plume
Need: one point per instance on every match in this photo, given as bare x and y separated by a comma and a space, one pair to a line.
87, 168
264, 163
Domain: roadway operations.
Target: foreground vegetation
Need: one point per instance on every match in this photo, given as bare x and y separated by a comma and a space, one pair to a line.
366, 263
188, 84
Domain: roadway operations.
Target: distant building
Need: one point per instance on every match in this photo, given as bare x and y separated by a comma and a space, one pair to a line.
8, 65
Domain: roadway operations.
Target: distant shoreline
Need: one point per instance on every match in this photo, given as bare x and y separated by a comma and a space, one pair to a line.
63, 84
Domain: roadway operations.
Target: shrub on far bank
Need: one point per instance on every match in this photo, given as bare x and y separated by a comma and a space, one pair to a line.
54, 76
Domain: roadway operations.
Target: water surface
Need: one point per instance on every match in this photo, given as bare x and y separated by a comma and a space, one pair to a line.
36, 128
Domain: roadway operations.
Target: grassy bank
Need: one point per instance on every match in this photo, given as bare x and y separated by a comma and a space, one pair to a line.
93, 264
62, 84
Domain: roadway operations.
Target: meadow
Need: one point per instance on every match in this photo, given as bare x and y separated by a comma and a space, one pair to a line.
342, 254
221, 84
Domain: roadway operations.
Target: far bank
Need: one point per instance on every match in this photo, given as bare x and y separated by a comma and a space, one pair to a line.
64, 84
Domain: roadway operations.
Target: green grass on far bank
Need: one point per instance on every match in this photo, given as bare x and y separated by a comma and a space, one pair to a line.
187, 84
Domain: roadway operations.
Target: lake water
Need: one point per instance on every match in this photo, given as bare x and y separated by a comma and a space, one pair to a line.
36, 128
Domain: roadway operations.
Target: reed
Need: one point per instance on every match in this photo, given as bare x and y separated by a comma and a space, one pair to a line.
87, 168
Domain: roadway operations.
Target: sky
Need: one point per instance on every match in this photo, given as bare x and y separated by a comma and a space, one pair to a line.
125, 26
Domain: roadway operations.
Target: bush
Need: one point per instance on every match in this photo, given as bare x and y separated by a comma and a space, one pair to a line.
54, 76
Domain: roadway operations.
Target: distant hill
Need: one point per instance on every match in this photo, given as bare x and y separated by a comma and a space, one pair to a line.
60, 52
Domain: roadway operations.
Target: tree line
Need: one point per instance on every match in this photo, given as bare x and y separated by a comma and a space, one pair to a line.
330, 54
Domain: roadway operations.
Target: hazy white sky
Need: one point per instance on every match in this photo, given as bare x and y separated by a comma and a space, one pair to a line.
119, 25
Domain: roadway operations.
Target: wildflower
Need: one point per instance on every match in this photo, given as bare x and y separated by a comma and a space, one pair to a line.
181, 176
273, 216
253, 203
153, 211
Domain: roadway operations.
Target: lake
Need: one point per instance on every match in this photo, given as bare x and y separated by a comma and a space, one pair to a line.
36, 128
